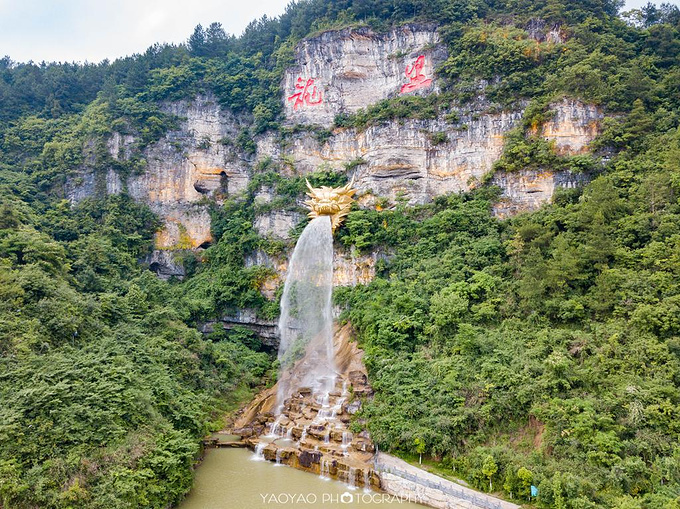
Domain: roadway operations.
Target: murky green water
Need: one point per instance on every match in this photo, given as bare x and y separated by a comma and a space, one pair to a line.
230, 479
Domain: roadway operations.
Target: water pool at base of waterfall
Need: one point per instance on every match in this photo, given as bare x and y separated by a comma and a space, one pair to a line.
229, 479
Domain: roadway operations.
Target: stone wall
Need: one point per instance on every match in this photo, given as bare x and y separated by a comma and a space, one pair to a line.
415, 484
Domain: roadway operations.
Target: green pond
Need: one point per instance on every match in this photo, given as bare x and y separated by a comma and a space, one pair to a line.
231, 479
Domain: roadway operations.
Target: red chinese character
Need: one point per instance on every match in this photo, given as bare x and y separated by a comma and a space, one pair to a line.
416, 77
307, 94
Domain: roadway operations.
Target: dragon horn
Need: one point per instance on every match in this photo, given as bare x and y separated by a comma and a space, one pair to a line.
309, 186
347, 187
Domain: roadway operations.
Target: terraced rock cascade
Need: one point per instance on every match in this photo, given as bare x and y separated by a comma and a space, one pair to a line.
310, 430
311, 433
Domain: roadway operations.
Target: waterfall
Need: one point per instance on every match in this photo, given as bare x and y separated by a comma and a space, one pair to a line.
278, 456
325, 411
306, 322
337, 408
352, 477
275, 429
325, 470
346, 442
259, 452
303, 436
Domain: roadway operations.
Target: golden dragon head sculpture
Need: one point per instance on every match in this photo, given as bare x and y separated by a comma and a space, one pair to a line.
330, 201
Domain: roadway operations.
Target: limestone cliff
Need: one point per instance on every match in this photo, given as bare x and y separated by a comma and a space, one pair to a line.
343, 71
408, 159
573, 126
415, 160
188, 166
402, 158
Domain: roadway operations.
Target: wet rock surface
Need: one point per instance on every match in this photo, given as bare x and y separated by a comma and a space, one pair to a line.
311, 432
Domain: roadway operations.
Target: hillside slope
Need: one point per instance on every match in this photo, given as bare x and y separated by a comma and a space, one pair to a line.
511, 349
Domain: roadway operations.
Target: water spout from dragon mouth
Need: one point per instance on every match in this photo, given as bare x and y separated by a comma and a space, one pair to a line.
306, 323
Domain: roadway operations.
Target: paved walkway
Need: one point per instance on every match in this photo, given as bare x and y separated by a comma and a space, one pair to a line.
401, 478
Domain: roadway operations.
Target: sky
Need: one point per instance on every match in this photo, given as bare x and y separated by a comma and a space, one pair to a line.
92, 30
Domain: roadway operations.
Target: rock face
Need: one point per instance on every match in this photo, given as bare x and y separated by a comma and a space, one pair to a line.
410, 160
525, 191
343, 71
195, 162
266, 330
418, 160
573, 127
405, 159
351, 268
165, 264
277, 223
540, 31
187, 166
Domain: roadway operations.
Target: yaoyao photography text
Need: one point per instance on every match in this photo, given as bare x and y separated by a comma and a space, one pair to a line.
315, 499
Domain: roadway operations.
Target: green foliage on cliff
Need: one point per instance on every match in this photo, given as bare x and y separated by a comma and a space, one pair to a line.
544, 349
550, 342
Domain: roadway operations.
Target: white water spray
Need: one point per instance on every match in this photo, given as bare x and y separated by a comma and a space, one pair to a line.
352, 477
258, 455
306, 322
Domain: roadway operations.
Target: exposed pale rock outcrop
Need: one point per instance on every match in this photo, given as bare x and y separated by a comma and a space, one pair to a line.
413, 160
419, 160
527, 190
401, 158
187, 166
356, 67
277, 223
573, 127
541, 31
351, 268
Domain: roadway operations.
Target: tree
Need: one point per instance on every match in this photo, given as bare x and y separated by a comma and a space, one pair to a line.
526, 478
511, 484
197, 42
216, 40
489, 469
420, 448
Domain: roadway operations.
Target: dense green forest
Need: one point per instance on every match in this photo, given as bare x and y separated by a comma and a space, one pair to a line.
544, 349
